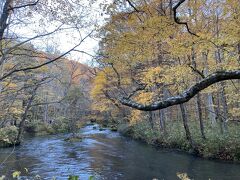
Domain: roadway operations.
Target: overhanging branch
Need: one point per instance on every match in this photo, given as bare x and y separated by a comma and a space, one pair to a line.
186, 95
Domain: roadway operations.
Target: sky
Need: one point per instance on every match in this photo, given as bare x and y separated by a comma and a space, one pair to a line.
69, 36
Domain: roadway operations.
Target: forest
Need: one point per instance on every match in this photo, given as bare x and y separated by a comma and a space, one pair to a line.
151, 58
165, 72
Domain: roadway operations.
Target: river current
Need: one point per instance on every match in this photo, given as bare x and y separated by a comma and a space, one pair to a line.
106, 155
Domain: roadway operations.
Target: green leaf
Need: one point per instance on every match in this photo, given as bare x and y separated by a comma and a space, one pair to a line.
16, 174
73, 177
91, 178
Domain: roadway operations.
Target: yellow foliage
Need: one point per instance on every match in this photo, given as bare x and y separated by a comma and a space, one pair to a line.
145, 97
152, 50
153, 75
100, 83
183, 176
135, 116
16, 174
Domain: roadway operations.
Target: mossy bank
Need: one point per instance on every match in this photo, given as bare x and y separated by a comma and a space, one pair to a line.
215, 146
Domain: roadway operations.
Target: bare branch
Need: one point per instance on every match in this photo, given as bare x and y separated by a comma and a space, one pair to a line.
196, 71
43, 64
23, 6
32, 38
131, 4
84, 52
176, 19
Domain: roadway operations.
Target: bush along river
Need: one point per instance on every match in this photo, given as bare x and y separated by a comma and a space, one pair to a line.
106, 155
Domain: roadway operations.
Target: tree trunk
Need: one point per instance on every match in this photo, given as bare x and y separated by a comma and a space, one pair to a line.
73, 117
24, 116
198, 97
151, 119
162, 120
186, 127
238, 47
4, 17
200, 117
224, 118
211, 111
216, 102
212, 116
45, 119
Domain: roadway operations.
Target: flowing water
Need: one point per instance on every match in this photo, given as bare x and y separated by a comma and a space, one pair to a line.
107, 155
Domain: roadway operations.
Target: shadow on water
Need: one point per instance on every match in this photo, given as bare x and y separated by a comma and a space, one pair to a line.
107, 155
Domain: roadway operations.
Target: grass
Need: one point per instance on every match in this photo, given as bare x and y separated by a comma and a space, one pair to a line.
216, 146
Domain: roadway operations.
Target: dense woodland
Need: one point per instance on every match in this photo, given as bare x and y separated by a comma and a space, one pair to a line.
41, 91
150, 54
166, 72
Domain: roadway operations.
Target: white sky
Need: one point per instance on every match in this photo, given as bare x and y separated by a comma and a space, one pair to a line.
66, 39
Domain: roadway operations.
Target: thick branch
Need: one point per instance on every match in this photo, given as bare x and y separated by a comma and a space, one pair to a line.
186, 95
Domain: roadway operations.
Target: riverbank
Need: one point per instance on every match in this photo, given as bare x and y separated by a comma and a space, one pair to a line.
218, 146
8, 134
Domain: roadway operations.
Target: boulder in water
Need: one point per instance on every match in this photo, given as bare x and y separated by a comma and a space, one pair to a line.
74, 138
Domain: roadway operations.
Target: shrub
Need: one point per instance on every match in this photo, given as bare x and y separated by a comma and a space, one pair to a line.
8, 136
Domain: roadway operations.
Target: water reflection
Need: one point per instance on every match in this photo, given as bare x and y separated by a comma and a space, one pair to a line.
107, 155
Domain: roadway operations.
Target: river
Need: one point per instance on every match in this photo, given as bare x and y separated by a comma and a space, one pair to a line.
107, 155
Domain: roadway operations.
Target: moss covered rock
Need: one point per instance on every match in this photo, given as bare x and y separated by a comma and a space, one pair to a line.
74, 138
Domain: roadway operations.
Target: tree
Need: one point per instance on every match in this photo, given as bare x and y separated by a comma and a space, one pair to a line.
152, 47
191, 92
16, 14
127, 34
24, 99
